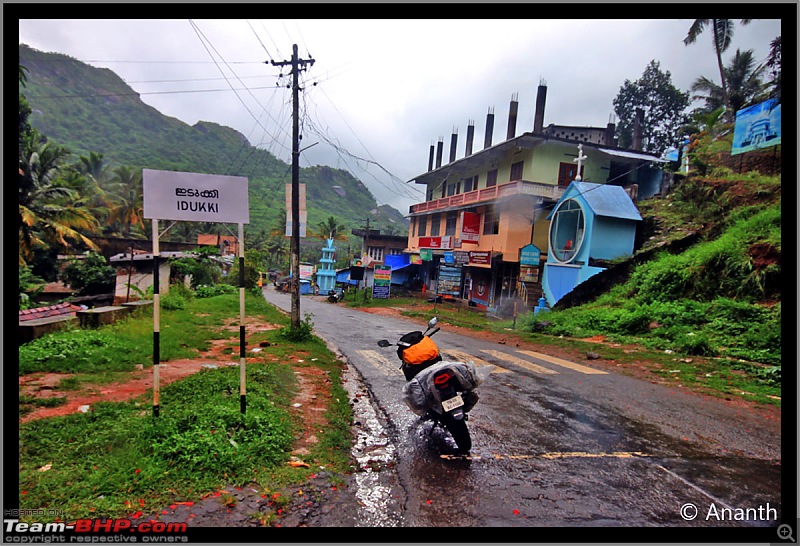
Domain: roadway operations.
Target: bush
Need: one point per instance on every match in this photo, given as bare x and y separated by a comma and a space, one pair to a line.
30, 286
89, 276
304, 332
206, 291
694, 344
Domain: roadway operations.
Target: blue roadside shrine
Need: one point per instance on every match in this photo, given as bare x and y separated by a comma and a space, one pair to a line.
589, 222
326, 275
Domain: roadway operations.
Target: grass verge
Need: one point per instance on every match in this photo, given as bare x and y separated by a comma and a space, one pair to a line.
118, 459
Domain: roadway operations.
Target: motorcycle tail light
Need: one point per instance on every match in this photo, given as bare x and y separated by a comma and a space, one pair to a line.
441, 379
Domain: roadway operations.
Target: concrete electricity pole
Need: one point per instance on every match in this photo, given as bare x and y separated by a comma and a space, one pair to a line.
297, 65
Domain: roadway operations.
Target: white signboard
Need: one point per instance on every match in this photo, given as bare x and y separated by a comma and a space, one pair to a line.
195, 197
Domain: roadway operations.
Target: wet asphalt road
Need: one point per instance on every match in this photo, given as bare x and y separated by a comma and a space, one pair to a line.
555, 445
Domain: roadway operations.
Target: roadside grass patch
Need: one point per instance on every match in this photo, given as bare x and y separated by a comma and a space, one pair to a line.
119, 460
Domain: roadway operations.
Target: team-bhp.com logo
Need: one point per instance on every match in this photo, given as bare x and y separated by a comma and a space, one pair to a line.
94, 530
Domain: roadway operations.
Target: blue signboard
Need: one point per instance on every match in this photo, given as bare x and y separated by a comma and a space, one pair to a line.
529, 255
758, 126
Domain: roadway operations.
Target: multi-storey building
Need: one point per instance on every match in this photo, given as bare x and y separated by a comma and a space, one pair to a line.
487, 210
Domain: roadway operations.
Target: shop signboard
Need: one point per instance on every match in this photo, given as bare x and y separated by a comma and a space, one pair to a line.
381, 281
449, 283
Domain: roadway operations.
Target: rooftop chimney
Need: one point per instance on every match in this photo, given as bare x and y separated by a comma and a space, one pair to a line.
470, 135
487, 143
609, 136
439, 153
538, 118
637, 129
512, 116
453, 140
430, 160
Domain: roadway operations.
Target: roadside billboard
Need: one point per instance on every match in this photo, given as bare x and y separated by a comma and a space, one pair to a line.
757, 126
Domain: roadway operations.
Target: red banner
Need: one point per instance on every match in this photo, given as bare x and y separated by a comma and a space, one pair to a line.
436, 242
470, 227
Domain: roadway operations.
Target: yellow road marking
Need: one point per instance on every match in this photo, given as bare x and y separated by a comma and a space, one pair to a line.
380, 362
464, 357
555, 455
519, 362
565, 363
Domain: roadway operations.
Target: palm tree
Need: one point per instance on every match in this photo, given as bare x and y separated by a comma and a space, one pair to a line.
127, 206
744, 84
332, 229
94, 189
48, 213
723, 35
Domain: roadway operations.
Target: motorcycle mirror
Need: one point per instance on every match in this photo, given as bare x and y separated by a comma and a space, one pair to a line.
433, 322
383, 343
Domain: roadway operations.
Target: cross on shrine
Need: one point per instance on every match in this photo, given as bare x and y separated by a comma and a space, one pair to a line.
580, 159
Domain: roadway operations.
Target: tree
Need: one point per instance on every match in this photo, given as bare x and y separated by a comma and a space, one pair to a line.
332, 229
127, 200
744, 84
49, 213
723, 36
24, 107
30, 286
774, 64
664, 108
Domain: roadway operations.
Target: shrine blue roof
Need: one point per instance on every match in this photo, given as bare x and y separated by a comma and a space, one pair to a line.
603, 199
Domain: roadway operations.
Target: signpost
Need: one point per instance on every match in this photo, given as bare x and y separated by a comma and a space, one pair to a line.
194, 197
382, 281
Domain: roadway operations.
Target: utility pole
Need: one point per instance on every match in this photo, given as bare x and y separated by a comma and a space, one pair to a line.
297, 65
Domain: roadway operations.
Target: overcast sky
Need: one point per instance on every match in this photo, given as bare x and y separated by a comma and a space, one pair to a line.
382, 91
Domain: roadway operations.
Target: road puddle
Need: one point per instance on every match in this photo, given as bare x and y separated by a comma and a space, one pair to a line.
378, 495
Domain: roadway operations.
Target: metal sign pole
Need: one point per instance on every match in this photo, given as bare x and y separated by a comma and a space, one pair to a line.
242, 359
156, 320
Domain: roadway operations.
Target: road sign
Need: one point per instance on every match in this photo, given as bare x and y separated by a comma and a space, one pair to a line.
195, 197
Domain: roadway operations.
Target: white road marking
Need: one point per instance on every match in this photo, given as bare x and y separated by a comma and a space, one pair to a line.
565, 363
520, 362
465, 357
381, 362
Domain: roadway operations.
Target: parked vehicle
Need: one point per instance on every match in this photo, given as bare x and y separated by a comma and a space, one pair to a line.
438, 390
335, 295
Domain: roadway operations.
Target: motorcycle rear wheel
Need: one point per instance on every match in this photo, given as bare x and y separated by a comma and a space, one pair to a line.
459, 431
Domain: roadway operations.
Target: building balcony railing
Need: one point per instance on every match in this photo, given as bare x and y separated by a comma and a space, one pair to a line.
487, 195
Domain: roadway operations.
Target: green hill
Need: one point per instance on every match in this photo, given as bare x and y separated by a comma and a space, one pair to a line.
90, 109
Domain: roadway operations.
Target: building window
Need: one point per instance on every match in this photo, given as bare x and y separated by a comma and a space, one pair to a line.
566, 231
444, 189
422, 224
491, 178
429, 194
567, 173
490, 221
452, 188
470, 183
516, 171
395, 251
376, 253
450, 223
435, 220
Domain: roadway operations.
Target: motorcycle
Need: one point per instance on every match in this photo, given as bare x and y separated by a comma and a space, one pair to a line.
335, 295
438, 390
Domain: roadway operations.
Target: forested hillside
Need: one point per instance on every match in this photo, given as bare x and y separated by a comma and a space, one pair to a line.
92, 110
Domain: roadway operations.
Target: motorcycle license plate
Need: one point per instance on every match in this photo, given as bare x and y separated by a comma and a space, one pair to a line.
453, 403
